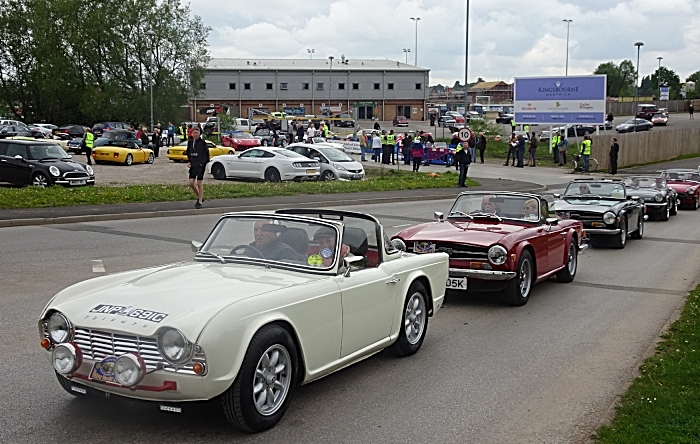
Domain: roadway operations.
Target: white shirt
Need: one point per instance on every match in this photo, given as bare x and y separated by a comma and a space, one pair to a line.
376, 142
310, 132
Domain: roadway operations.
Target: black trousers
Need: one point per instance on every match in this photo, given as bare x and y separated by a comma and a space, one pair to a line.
416, 162
511, 152
613, 164
88, 154
386, 154
481, 154
555, 152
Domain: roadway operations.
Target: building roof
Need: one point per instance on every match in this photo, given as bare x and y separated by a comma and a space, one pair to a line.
488, 85
310, 64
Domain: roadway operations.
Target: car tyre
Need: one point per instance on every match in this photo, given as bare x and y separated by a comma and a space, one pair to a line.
414, 322
129, 160
620, 240
639, 232
518, 289
218, 171
150, 159
263, 388
568, 273
272, 175
674, 208
231, 152
695, 204
264, 142
328, 175
666, 213
40, 180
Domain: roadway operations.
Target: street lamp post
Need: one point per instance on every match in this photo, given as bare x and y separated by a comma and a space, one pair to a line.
658, 77
415, 49
466, 63
568, 22
330, 82
406, 51
311, 51
150, 33
636, 85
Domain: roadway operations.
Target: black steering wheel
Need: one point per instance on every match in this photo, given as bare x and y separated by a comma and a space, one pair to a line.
243, 248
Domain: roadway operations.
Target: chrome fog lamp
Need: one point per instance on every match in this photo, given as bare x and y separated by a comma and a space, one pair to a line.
658, 197
497, 255
129, 369
66, 358
174, 347
609, 218
59, 328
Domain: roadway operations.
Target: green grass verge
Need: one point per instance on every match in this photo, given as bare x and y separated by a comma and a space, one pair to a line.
378, 180
662, 404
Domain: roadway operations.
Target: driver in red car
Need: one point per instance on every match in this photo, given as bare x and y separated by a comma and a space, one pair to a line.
268, 243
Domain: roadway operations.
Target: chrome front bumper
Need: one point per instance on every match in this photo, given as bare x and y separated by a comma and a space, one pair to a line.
487, 275
603, 231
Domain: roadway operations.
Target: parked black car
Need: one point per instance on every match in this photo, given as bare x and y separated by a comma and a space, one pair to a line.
446, 121
347, 121
630, 126
41, 164
102, 127
660, 200
606, 209
504, 118
71, 131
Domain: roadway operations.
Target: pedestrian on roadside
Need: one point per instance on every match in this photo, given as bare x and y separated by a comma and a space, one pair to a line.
385, 148
363, 145
310, 132
300, 132
481, 145
555, 139
189, 131
88, 143
512, 125
197, 159
391, 141
512, 143
586, 151
406, 148
472, 147
417, 153
456, 142
144, 138
562, 146
376, 125
463, 159
691, 110
376, 146
170, 141
614, 151
520, 151
138, 133
155, 141
534, 143
432, 119
183, 132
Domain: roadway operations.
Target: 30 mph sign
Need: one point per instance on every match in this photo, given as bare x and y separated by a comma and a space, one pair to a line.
464, 134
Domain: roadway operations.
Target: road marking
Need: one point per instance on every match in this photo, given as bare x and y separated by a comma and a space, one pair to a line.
675, 241
632, 289
98, 266
107, 230
402, 225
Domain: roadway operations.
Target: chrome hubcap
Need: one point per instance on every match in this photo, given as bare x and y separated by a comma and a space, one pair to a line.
414, 322
272, 380
572, 259
525, 280
40, 181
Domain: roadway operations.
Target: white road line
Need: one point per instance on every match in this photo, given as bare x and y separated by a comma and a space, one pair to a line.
98, 266
399, 226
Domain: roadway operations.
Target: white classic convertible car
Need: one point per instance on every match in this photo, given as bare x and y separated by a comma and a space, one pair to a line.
269, 302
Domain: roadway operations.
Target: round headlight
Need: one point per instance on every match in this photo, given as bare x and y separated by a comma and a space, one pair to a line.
54, 171
89, 170
129, 369
58, 328
609, 218
690, 190
174, 346
658, 197
66, 358
497, 255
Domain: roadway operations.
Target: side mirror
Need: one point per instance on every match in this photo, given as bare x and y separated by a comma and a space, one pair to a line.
351, 260
552, 221
399, 244
196, 246
439, 215
18, 157
557, 195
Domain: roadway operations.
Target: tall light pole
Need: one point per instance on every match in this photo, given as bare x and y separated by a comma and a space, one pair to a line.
330, 82
150, 33
658, 77
636, 86
568, 22
406, 51
311, 51
466, 62
415, 49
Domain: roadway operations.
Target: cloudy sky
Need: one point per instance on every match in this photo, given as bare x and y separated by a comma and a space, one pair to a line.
507, 38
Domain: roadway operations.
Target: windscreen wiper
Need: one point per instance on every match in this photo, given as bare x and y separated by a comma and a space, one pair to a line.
220, 258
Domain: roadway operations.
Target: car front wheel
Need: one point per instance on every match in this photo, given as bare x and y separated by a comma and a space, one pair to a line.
665, 213
518, 289
40, 180
568, 273
414, 325
218, 171
328, 175
263, 388
639, 232
620, 240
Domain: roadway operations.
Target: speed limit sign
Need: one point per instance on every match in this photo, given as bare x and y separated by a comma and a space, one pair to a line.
464, 134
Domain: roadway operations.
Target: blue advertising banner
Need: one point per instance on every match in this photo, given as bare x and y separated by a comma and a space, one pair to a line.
560, 100
295, 111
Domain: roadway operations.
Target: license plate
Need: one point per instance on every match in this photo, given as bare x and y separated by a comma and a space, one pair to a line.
310, 171
77, 182
456, 283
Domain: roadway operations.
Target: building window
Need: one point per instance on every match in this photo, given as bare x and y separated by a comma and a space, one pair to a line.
341, 85
283, 86
319, 87
355, 86
390, 86
231, 86
376, 86
269, 86
304, 86
419, 86
246, 86
202, 86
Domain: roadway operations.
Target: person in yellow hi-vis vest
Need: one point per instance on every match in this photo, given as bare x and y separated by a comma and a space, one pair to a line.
512, 125
555, 151
88, 143
391, 141
586, 151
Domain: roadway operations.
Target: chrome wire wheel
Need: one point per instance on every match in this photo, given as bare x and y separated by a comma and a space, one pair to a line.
573, 259
414, 318
525, 277
272, 380
40, 180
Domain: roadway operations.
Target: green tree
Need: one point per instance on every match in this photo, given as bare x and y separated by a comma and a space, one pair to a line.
620, 78
668, 78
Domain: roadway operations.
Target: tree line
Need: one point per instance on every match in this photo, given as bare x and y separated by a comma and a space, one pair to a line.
620, 81
84, 61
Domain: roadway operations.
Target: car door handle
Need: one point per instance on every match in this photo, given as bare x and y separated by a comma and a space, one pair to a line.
393, 281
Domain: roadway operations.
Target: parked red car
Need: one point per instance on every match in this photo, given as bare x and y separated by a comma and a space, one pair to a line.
687, 186
241, 141
500, 241
400, 121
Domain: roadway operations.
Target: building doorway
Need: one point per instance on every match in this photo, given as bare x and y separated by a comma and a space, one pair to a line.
365, 112
403, 110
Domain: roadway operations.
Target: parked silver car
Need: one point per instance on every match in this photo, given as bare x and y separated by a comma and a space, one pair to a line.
335, 164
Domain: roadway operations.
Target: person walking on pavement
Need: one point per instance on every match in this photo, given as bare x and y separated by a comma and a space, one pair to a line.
511, 150
155, 141
406, 148
376, 146
463, 159
691, 110
520, 150
417, 153
534, 143
197, 159
555, 143
586, 151
562, 146
170, 141
472, 147
614, 151
481, 145
363, 145
88, 143
391, 141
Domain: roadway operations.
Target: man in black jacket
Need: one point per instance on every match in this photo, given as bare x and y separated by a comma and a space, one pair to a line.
197, 159
481, 145
463, 159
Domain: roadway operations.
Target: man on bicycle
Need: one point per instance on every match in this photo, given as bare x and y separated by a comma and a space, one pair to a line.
586, 151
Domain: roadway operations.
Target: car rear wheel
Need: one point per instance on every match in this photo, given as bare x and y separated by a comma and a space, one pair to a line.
272, 175
231, 152
150, 159
620, 240
568, 273
414, 325
263, 388
518, 289
218, 171
129, 160
40, 180
264, 142
328, 175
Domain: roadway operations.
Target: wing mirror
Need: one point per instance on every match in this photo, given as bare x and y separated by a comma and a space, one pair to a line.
439, 215
557, 195
196, 246
399, 244
351, 261
552, 221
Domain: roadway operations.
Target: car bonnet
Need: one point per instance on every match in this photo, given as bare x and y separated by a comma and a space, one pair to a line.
462, 231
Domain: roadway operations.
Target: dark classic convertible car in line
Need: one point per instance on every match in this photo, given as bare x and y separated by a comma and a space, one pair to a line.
605, 208
500, 241
660, 200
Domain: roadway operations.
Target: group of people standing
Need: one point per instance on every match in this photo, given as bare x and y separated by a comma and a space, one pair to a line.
516, 150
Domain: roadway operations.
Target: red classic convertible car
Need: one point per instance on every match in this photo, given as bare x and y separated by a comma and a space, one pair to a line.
687, 186
500, 241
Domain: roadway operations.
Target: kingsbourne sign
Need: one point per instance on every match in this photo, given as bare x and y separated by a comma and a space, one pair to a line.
560, 100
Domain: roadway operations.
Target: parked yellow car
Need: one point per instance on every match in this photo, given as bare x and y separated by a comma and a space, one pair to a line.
177, 153
122, 154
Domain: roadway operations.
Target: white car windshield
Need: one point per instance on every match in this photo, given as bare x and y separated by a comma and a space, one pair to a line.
682, 175
243, 136
497, 206
645, 182
613, 190
262, 238
47, 151
290, 154
335, 155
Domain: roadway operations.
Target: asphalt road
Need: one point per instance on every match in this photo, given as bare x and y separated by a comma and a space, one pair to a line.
546, 372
